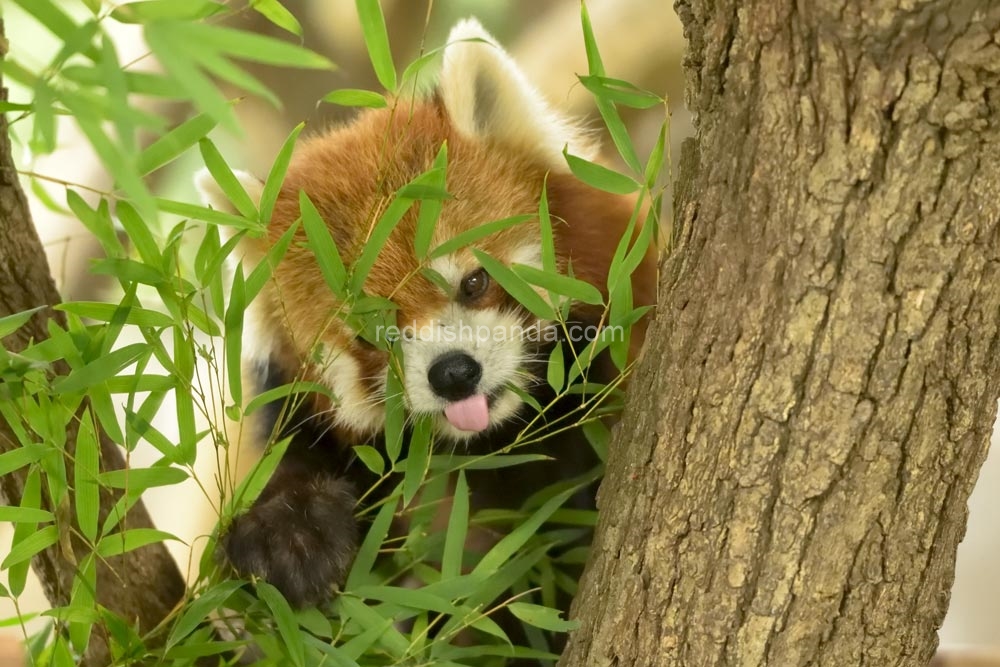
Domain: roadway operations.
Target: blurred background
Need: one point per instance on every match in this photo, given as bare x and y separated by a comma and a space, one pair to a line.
640, 40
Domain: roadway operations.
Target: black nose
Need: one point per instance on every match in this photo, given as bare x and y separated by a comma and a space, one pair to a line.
454, 376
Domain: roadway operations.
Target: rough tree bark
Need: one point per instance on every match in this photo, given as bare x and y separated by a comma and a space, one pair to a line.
789, 483
142, 586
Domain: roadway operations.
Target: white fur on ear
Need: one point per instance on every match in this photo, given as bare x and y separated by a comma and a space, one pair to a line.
487, 95
212, 195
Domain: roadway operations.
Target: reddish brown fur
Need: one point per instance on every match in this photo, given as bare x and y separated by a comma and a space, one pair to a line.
351, 174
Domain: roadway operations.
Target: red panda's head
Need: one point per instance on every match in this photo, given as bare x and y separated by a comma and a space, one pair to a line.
465, 347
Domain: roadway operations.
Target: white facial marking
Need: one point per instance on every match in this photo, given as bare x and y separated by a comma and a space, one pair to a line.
356, 407
490, 336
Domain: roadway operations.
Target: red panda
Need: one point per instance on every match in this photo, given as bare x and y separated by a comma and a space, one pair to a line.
504, 144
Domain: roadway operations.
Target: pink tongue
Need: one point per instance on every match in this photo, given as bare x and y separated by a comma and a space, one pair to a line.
470, 414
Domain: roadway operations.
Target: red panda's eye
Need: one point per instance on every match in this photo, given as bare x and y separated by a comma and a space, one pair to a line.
474, 284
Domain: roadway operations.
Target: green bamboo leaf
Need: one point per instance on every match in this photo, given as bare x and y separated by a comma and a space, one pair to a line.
130, 540
253, 47
192, 651
320, 241
395, 410
545, 220
24, 549
16, 459
103, 312
272, 186
476, 233
98, 222
458, 525
616, 128
451, 462
117, 87
138, 233
437, 279
620, 92
170, 43
233, 338
31, 497
655, 163
140, 479
412, 71
251, 486
390, 639
216, 63
467, 653
12, 323
118, 162
352, 97
367, 555
101, 369
276, 13
205, 214
556, 370
516, 286
85, 471
377, 41
196, 612
417, 599
565, 285
517, 538
594, 64
32, 515
262, 272
387, 222
171, 145
128, 270
149, 11
542, 617
362, 644
297, 388
417, 459
430, 209
600, 177
288, 627
371, 457
52, 18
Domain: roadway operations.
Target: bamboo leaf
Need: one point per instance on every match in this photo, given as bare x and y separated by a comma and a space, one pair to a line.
224, 176
288, 627
352, 97
599, 176
516, 286
476, 233
85, 471
276, 13
24, 549
458, 524
130, 540
377, 41
565, 285
542, 617
272, 186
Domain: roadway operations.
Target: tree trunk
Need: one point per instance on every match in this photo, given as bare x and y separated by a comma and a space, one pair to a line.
144, 585
789, 483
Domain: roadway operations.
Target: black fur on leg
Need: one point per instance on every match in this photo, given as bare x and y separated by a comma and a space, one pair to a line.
300, 536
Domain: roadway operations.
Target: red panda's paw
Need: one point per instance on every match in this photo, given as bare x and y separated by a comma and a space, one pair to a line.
302, 540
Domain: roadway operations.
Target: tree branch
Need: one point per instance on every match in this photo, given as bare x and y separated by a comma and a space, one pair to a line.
789, 483
144, 585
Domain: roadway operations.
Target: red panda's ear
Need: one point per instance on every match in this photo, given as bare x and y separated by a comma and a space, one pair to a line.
212, 195
487, 95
